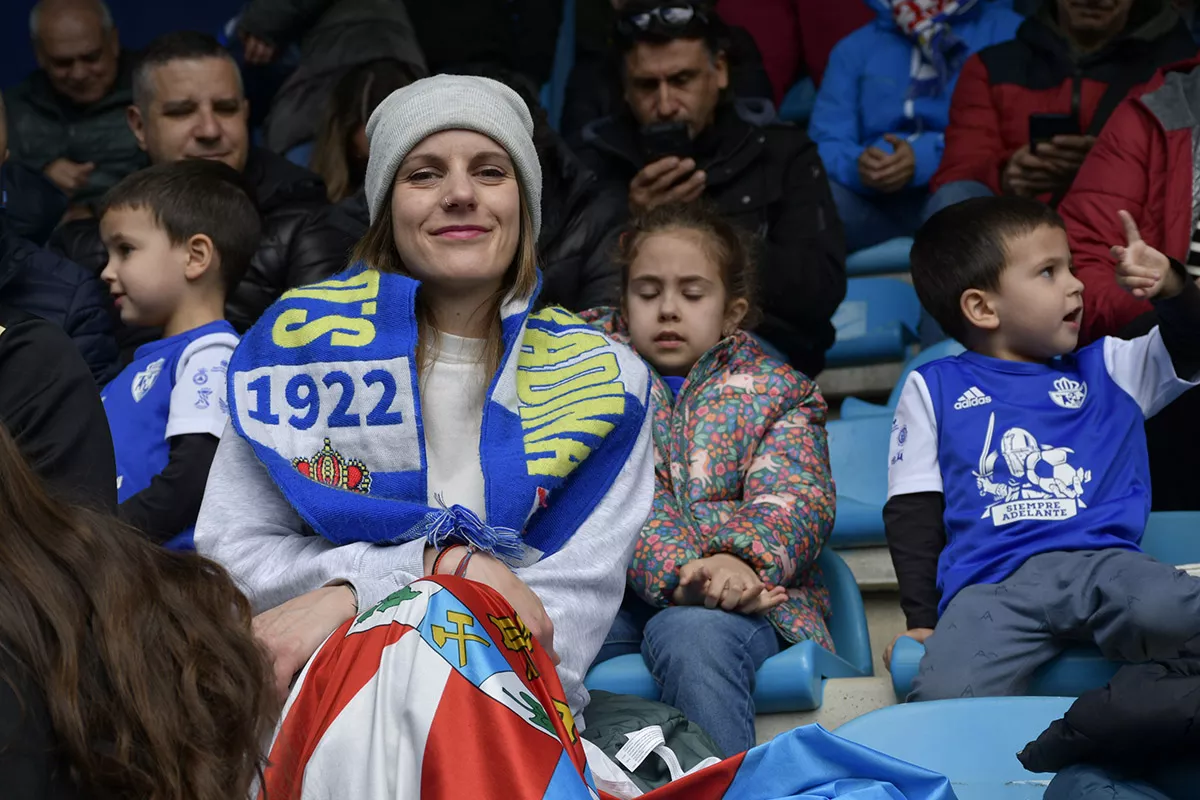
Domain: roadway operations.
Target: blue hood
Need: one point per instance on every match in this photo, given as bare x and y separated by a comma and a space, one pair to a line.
883, 9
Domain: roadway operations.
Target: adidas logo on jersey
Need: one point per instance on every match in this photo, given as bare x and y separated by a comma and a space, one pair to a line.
971, 398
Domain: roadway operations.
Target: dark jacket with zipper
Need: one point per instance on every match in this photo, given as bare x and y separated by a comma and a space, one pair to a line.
1148, 716
291, 250
581, 220
48, 286
50, 405
767, 177
1001, 86
43, 127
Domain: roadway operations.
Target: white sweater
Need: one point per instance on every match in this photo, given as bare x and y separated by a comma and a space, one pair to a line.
248, 526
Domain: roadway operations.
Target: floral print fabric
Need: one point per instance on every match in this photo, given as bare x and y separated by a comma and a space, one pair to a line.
741, 467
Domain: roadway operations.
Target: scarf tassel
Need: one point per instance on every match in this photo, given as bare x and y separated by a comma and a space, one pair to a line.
460, 525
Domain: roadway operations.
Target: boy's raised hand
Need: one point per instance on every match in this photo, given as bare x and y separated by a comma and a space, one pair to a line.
1141, 270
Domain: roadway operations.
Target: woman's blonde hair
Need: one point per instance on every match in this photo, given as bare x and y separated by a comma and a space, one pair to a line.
377, 249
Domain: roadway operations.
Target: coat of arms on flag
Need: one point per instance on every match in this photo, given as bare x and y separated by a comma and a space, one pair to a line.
440, 692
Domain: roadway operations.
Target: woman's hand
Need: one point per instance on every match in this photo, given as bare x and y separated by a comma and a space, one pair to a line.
495, 573
726, 581
292, 632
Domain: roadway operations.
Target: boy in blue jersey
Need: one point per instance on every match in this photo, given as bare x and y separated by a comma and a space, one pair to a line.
1018, 485
178, 237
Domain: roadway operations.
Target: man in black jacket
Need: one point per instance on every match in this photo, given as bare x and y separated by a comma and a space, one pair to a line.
762, 174
67, 119
188, 103
44, 284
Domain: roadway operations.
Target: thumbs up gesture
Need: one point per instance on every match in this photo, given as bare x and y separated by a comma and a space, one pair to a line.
1141, 270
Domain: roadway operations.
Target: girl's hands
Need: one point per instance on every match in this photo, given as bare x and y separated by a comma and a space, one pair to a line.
725, 581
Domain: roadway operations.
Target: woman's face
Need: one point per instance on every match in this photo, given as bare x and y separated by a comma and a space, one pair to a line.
456, 212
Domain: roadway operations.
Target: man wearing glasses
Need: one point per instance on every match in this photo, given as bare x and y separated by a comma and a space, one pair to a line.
681, 137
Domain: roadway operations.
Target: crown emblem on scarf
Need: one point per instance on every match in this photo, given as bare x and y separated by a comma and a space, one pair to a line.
331, 468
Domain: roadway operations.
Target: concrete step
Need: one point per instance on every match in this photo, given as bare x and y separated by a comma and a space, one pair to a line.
872, 568
845, 699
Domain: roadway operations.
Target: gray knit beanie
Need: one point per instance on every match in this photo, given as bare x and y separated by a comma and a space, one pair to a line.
451, 102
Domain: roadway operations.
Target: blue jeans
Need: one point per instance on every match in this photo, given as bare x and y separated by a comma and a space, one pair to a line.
869, 220
704, 660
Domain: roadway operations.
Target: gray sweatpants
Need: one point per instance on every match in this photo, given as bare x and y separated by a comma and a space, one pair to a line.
992, 637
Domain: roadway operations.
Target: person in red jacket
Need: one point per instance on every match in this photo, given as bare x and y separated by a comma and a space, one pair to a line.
1143, 163
1073, 58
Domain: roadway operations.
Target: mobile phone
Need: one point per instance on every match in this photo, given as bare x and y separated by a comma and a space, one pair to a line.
666, 139
1044, 127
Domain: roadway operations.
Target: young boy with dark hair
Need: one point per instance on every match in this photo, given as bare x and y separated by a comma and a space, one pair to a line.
178, 236
1018, 486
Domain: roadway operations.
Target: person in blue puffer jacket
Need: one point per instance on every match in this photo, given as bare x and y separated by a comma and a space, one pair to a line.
884, 103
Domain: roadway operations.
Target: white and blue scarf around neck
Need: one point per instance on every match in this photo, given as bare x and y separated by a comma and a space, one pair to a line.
324, 387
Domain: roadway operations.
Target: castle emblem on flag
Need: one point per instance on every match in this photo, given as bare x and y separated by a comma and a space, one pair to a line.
331, 468
519, 639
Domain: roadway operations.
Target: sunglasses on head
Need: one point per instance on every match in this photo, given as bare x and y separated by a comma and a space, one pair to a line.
674, 15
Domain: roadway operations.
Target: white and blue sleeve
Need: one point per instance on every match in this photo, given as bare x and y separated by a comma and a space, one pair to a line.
913, 446
1142, 368
198, 399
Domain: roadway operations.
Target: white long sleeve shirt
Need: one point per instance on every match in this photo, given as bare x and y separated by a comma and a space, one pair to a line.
248, 526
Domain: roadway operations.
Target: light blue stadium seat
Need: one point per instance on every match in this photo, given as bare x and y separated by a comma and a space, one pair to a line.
973, 742
889, 256
797, 105
853, 408
858, 454
1172, 537
793, 680
877, 322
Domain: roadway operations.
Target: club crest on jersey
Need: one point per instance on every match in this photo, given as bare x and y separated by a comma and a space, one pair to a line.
331, 468
1068, 394
144, 381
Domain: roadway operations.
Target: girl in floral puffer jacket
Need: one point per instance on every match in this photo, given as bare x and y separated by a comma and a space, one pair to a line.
724, 573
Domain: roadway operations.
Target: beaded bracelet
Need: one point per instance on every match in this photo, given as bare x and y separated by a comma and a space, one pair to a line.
438, 561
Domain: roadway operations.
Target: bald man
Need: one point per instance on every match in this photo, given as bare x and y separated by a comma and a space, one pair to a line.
67, 119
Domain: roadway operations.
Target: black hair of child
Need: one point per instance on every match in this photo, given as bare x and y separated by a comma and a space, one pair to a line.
193, 197
729, 246
964, 246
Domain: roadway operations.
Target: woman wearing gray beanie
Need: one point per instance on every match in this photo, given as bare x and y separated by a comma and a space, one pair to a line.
413, 417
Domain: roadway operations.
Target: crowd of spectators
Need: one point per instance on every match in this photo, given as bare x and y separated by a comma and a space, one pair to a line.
669, 204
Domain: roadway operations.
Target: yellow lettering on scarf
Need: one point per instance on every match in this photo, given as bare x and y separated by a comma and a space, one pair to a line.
293, 328
356, 289
563, 405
